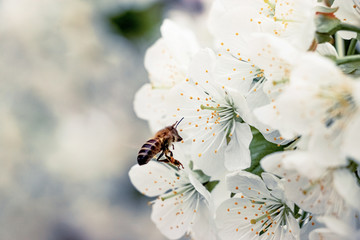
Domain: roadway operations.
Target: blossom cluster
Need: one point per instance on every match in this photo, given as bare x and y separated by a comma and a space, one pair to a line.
271, 118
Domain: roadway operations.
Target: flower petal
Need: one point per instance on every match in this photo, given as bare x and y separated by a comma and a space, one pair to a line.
347, 187
247, 183
237, 153
174, 216
153, 179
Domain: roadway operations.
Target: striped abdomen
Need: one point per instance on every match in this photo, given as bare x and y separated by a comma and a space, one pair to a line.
148, 151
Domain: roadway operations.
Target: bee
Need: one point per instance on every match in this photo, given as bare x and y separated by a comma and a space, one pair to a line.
160, 143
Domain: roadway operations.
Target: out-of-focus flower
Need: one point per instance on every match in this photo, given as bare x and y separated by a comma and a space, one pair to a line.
345, 227
322, 192
89, 142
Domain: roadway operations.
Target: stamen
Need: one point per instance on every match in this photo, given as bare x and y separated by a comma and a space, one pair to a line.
266, 215
175, 193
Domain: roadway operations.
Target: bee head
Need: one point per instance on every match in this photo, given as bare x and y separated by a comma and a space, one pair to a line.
176, 136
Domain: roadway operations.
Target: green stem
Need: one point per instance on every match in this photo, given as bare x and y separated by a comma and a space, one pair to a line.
348, 59
348, 27
351, 49
352, 166
339, 45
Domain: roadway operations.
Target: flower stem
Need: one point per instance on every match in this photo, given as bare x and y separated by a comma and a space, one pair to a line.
348, 59
348, 27
351, 49
339, 45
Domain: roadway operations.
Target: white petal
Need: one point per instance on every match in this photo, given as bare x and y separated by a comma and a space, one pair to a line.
327, 50
204, 226
338, 227
163, 68
271, 181
347, 14
220, 193
292, 230
273, 163
174, 216
153, 179
233, 73
247, 17
233, 219
201, 189
351, 135
237, 153
304, 162
168, 59
149, 102
248, 184
309, 227
347, 186
181, 41
323, 233
318, 197
202, 68
211, 161
276, 188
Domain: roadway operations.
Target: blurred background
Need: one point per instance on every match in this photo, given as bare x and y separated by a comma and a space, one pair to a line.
68, 134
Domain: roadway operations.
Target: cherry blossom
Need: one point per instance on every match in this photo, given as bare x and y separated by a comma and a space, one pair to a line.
258, 211
182, 200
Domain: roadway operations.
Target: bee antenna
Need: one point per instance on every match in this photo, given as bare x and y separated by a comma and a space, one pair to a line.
177, 122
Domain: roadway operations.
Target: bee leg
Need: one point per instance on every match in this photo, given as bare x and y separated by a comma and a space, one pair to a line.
167, 160
177, 163
161, 154
173, 147
164, 160
172, 160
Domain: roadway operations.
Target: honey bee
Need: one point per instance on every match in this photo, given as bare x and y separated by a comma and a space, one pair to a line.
160, 143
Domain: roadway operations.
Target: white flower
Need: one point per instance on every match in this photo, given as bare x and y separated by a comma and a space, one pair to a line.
292, 20
262, 211
268, 59
314, 189
348, 12
217, 113
214, 119
167, 63
318, 96
182, 203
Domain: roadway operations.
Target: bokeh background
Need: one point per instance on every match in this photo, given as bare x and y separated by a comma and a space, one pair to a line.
68, 134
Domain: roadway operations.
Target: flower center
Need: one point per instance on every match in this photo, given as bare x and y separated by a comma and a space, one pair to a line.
342, 104
271, 7
225, 115
180, 191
